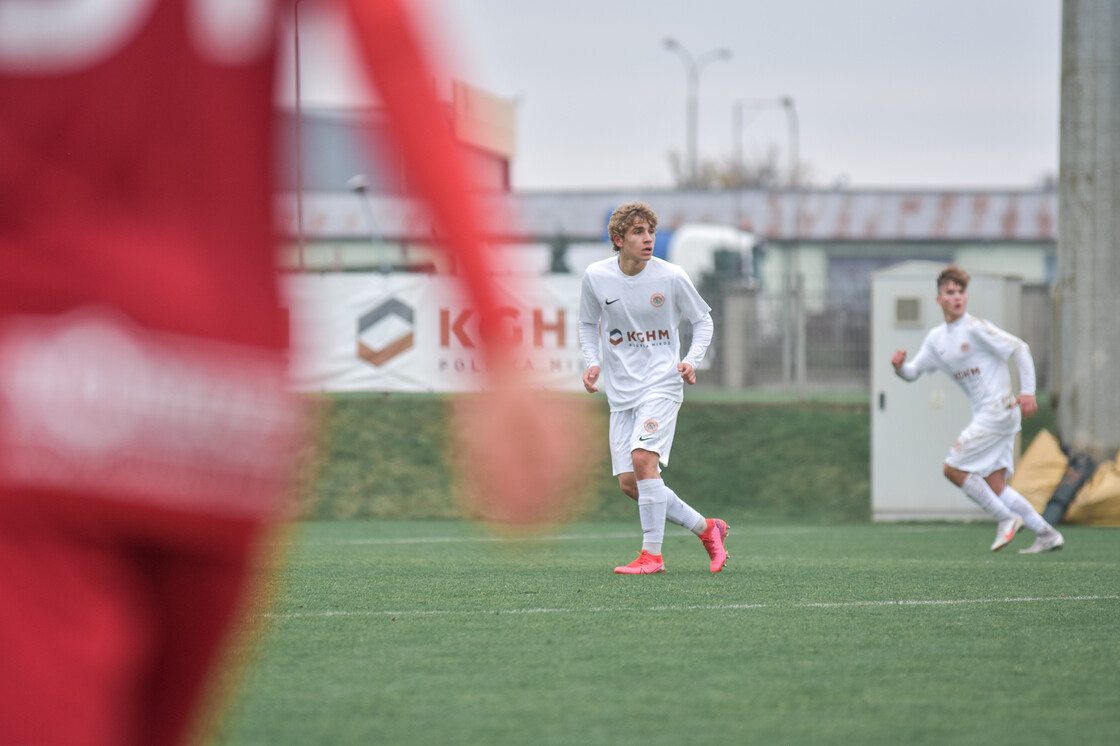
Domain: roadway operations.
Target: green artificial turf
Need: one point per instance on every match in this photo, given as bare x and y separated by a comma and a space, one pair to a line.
438, 632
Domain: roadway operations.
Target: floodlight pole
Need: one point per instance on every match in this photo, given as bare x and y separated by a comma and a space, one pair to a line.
1088, 337
693, 67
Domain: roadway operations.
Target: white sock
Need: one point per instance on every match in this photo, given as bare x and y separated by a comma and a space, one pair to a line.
1012, 499
681, 513
652, 505
978, 490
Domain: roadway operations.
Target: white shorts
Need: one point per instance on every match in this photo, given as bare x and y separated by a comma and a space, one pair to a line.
649, 426
982, 451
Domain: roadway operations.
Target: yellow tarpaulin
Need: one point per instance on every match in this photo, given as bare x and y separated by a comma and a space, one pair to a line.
1041, 469
1098, 500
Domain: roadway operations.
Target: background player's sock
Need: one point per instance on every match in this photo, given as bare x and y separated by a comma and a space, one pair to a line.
982, 494
1016, 502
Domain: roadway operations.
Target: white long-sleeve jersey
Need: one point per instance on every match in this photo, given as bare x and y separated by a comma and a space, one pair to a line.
637, 318
974, 352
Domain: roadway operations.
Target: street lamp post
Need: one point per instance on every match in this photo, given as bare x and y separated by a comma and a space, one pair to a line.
737, 124
794, 138
793, 333
359, 185
693, 66
795, 264
298, 136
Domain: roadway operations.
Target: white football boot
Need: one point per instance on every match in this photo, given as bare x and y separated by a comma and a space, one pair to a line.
1006, 532
1048, 541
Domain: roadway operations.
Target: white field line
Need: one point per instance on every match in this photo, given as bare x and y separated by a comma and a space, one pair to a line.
460, 539
700, 607
671, 531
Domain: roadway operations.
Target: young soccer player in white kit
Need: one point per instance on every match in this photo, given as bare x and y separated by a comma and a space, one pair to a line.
635, 303
975, 353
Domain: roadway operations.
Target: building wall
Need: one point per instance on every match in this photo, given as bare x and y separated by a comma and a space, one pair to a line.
337, 146
807, 321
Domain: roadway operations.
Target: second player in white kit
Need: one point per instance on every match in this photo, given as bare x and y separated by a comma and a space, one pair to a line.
974, 353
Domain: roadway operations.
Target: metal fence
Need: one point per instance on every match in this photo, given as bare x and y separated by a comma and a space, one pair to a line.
772, 339
769, 340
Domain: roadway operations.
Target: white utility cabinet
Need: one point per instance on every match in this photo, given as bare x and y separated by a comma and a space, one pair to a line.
913, 425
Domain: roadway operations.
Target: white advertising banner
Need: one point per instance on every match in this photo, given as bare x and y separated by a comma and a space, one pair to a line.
417, 333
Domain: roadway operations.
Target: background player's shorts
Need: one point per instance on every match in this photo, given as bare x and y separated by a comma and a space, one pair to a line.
980, 450
649, 426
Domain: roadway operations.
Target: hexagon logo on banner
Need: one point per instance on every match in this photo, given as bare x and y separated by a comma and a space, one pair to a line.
385, 332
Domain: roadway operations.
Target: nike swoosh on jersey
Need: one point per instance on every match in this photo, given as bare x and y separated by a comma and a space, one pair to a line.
616, 300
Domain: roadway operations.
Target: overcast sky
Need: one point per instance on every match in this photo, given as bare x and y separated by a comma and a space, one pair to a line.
889, 93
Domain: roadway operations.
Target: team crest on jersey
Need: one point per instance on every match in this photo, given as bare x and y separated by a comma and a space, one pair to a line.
965, 347
650, 425
615, 337
657, 300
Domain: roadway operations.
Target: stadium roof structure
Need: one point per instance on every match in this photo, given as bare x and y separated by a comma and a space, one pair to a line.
806, 215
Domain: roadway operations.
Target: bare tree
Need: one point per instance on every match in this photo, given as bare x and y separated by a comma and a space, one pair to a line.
760, 171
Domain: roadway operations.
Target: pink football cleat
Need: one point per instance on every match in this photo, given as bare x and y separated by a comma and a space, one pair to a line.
646, 564
713, 542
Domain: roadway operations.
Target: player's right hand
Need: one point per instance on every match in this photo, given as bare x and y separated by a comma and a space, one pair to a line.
520, 453
590, 376
898, 358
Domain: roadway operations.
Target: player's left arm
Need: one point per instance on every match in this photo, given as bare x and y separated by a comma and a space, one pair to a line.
702, 331
1023, 360
1011, 347
694, 308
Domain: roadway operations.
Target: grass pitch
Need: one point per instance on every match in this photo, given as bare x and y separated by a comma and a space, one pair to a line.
436, 632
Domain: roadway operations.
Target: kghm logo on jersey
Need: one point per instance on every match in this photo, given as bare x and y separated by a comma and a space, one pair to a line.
615, 337
657, 300
650, 425
965, 347
964, 375
656, 337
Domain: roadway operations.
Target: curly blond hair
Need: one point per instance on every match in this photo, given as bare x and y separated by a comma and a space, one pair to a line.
624, 216
953, 273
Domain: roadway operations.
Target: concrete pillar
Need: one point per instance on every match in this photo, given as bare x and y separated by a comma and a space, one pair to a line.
739, 321
1087, 364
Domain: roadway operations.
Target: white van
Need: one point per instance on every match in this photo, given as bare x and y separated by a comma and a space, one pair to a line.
710, 248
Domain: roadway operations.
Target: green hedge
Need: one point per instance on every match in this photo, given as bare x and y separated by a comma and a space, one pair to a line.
383, 456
